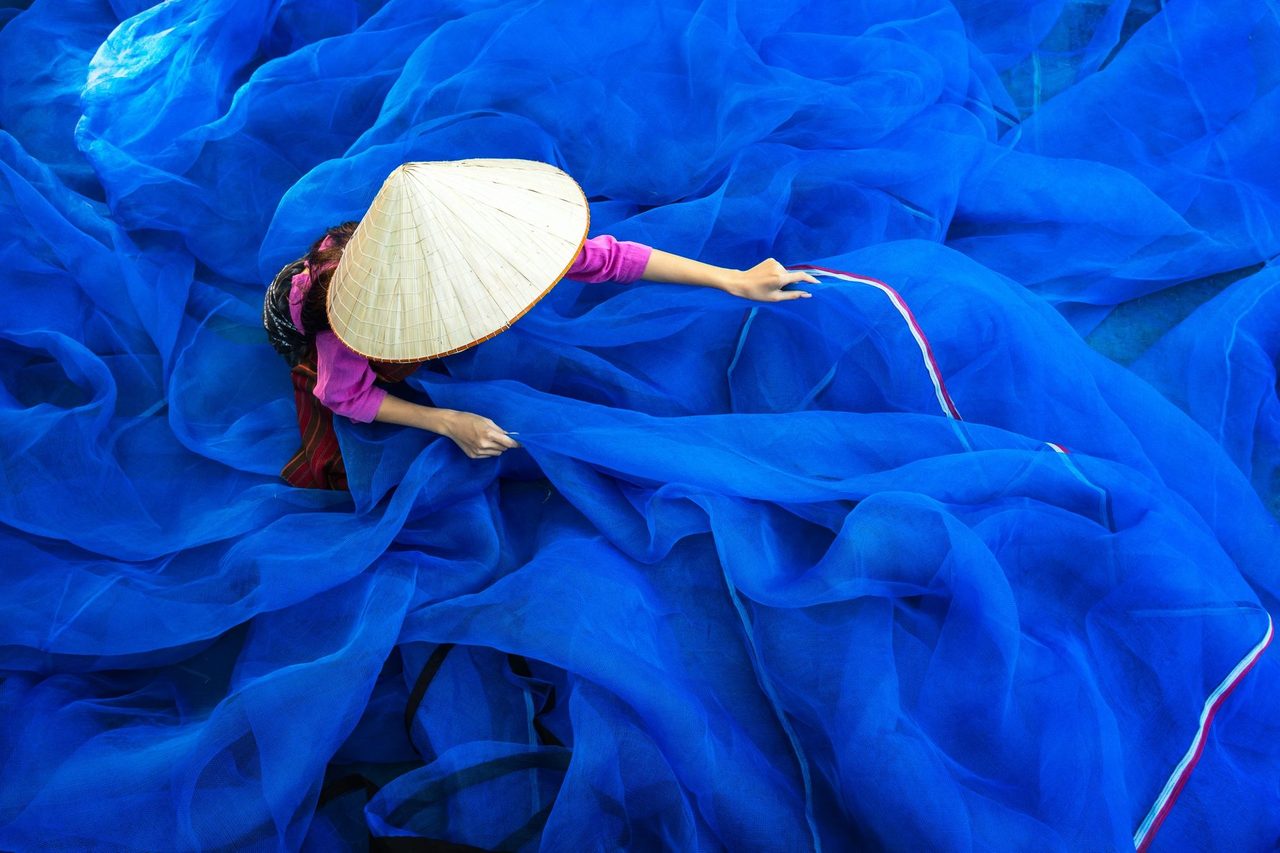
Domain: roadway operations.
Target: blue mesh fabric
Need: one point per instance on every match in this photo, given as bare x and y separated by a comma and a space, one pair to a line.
975, 549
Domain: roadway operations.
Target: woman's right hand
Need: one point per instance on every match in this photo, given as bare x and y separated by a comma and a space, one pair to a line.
764, 282
478, 436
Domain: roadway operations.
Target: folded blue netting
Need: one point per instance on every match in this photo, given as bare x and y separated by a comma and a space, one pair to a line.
974, 550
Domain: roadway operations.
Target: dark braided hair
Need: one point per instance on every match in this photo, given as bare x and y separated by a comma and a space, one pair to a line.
277, 321
294, 344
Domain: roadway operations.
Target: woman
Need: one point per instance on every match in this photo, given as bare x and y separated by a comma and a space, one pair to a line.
330, 378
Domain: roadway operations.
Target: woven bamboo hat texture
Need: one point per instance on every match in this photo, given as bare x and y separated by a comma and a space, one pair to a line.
452, 252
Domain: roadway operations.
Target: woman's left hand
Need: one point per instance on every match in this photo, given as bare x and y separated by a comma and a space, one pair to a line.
764, 282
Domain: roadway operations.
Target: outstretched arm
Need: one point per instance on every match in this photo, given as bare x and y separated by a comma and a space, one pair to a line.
345, 384
763, 282
605, 258
476, 435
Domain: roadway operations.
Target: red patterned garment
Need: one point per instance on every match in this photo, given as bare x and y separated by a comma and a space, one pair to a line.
318, 463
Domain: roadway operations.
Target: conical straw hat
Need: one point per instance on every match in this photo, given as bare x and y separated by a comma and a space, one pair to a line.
452, 252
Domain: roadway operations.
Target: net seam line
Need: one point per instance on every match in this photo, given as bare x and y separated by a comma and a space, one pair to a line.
1177, 780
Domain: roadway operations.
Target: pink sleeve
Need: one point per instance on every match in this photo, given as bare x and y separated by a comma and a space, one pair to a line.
605, 258
344, 380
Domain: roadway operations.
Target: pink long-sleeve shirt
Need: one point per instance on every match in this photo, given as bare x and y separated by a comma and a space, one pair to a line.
344, 378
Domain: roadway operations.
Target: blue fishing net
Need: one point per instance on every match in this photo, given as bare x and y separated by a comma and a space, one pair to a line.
975, 549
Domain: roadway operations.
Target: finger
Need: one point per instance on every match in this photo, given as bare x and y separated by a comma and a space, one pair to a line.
500, 436
784, 295
800, 276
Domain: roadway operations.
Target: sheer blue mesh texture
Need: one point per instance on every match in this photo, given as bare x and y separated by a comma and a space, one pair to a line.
967, 552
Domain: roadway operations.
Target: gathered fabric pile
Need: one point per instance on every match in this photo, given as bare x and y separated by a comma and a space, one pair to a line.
975, 549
